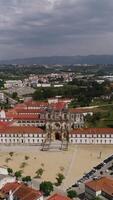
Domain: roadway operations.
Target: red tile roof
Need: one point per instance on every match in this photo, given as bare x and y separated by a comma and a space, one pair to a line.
92, 131
58, 106
4, 124
23, 116
21, 130
21, 191
104, 184
40, 104
58, 197
21, 105
80, 110
31, 111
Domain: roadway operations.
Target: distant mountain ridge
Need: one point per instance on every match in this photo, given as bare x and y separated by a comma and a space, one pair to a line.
63, 60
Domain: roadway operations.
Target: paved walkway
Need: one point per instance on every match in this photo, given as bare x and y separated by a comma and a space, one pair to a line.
71, 164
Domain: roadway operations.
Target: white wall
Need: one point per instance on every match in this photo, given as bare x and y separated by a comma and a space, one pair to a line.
21, 139
41, 198
84, 139
3, 171
7, 179
90, 194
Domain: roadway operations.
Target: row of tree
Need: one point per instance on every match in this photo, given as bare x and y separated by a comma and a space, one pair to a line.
46, 186
82, 95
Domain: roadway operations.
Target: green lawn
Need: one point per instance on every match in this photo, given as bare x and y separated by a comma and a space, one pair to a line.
106, 117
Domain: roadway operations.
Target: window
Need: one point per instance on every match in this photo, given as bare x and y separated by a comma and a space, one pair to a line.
22, 141
72, 116
49, 116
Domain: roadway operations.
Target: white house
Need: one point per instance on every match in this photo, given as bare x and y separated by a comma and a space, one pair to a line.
21, 135
3, 170
20, 191
6, 179
102, 186
91, 136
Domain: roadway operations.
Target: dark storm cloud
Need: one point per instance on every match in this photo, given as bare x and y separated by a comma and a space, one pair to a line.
49, 27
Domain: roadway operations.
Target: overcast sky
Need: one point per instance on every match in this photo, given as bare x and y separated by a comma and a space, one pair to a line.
55, 27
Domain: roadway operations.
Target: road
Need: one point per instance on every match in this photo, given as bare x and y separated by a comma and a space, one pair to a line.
81, 189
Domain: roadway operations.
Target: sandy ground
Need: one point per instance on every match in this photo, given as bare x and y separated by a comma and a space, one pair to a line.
76, 161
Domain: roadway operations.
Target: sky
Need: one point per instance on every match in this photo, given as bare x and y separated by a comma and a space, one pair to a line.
30, 28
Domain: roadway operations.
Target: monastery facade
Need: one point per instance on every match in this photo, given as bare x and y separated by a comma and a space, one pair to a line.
34, 122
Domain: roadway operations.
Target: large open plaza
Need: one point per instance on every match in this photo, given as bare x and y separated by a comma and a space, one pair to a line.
73, 163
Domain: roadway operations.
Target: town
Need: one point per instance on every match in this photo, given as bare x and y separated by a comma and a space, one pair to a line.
56, 100
66, 113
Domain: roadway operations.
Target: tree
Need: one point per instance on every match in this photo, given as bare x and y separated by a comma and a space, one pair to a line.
24, 164
60, 177
26, 157
71, 194
1, 84
97, 198
73, 104
14, 95
10, 171
39, 172
94, 118
18, 174
46, 187
26, 179
11, 154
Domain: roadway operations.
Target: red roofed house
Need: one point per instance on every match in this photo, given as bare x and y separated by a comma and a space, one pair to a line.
102, 186
36, 104
58, 197
91, 136
21, 135
19, 191
84, 111
58, 106
4, 124
26, 118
